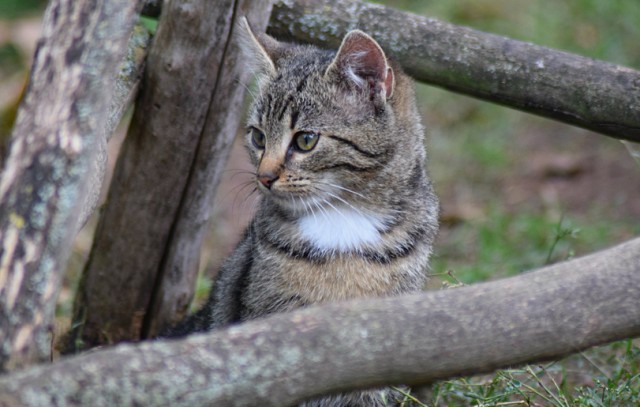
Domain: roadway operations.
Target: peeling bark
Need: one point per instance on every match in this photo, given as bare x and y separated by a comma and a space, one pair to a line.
414, 340
46, 174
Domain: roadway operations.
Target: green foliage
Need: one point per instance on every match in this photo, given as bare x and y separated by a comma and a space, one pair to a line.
17, 8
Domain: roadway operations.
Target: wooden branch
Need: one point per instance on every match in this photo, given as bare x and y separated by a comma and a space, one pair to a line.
46, 175
596, 95
125, 91
413, 340
145, 225
179, 269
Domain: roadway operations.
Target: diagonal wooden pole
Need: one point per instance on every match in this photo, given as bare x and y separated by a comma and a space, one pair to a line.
47, 173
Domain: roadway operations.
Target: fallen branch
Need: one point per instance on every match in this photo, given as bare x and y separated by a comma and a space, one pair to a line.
414, 340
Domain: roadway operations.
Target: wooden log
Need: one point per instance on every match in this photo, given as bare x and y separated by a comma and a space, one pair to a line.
46, 175
593, 94
417, 339
143, 223
177, 276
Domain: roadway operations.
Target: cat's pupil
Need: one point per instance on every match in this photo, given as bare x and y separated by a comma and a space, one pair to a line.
306, 141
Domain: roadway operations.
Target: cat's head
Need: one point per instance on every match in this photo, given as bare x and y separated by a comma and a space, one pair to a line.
327, 127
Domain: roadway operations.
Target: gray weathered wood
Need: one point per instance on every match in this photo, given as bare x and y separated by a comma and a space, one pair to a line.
593, 94
414, 340
125, 91
179, 268
46, 174
141, 231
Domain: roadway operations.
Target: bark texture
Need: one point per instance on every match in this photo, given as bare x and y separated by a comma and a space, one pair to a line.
177, 275
169, 166
46, 174
596, 95
414, 340
125, 90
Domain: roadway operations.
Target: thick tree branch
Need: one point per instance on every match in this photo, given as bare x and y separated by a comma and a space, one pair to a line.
168, 168
179, 269
46, 174
596, 95
414, 340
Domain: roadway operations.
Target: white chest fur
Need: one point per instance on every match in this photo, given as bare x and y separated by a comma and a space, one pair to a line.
340, 229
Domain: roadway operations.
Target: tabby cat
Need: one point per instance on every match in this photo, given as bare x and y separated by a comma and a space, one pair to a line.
347, 210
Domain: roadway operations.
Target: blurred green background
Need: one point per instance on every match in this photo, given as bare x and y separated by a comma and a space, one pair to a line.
517, 191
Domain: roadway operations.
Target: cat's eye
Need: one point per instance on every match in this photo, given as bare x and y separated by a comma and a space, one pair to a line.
258, 138
305, 140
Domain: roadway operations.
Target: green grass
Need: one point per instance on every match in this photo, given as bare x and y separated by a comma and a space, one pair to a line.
610, 377
505, 244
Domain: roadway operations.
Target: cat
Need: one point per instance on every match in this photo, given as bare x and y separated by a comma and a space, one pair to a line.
346, 210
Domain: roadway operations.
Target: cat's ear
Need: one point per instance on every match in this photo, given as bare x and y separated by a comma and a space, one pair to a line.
260, 50
361, 61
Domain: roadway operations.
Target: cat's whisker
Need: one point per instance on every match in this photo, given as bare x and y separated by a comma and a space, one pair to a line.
323, 212
254, 202
336, 209
304, 206
251, 202
244, 85
313, 213
237, 172
345, 189
337, 197
243, 186
237, 210
238, 190
343, 201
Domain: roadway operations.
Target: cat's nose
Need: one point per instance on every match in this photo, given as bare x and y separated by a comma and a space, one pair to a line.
267, 178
